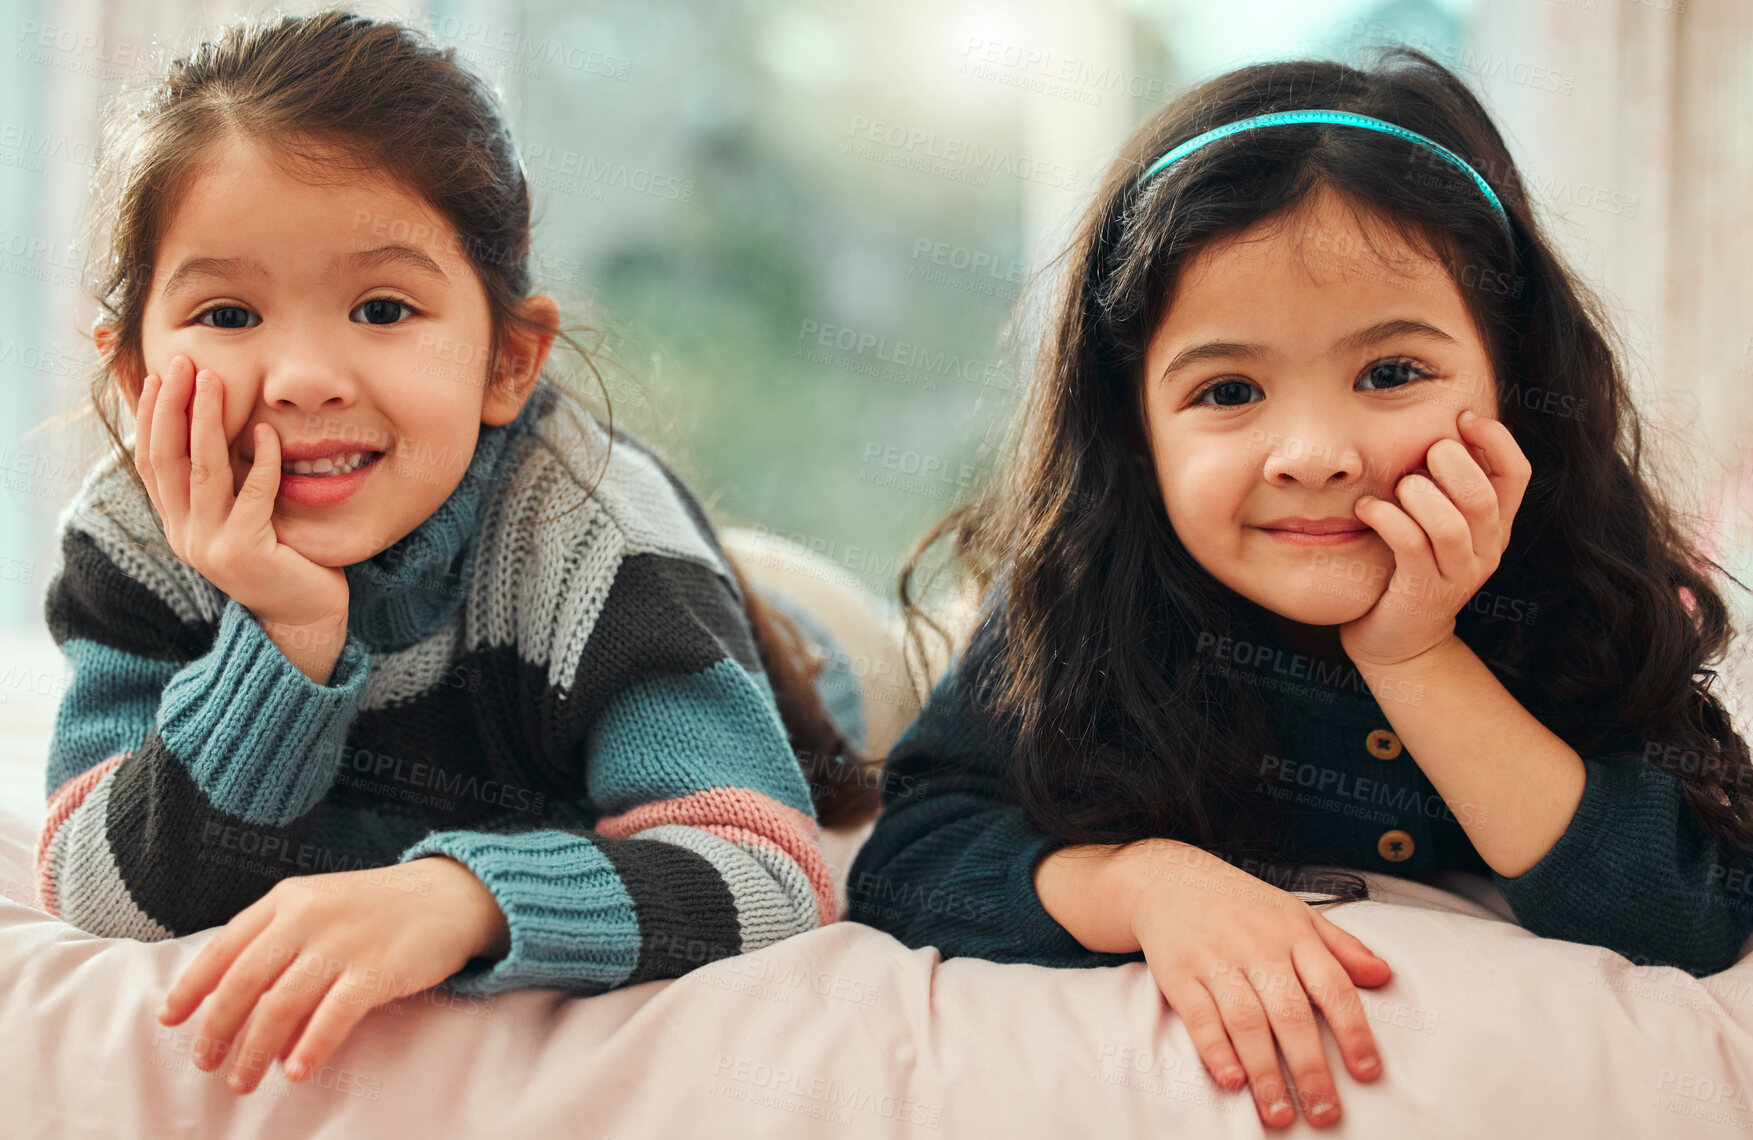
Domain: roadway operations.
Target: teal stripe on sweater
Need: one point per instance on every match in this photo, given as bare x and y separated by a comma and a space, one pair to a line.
259, 737
571, 920
666, 736
108, 707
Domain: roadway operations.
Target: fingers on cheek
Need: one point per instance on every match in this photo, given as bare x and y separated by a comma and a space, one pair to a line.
1417, 499
1464, 479
1440, 505
1456, 466
1391, 525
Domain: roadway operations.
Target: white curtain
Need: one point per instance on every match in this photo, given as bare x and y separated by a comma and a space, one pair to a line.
1644, 169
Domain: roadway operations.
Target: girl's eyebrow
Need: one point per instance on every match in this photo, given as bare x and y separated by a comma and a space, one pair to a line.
225, 268
1363, 338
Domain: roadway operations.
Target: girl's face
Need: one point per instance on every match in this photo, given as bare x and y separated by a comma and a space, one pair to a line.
349, 319
1296, 372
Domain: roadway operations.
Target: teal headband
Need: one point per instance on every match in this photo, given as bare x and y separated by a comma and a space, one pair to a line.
1338, 118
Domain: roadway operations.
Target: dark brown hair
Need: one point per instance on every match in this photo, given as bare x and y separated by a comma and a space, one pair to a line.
343, 96
1124, 730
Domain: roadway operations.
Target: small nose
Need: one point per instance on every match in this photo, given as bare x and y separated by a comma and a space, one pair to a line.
307, 380
1314, 454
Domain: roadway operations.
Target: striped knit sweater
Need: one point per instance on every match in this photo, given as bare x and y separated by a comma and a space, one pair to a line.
551, 682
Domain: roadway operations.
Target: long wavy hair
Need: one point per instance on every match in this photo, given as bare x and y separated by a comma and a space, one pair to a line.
341, 95
1124, 731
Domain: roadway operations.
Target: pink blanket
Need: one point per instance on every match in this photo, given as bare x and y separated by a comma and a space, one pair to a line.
1484, 1031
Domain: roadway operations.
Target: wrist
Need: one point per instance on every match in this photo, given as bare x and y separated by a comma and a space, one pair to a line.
489, 935
1141, 867
313, 647
1099, 894
1421, 667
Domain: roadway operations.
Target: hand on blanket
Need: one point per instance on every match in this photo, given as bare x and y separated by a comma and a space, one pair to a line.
1238, 959
316, 953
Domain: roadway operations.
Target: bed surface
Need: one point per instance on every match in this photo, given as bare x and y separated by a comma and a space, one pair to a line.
1484, 1030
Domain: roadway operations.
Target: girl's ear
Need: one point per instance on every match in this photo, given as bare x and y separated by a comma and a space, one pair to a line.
103, 333
525, 354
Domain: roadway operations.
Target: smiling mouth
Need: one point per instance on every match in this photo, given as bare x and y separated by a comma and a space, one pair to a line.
330, 466
1316, 529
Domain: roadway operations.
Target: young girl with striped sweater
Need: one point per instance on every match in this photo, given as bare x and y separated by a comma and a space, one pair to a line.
388, 657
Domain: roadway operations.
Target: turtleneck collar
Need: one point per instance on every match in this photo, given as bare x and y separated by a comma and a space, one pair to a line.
404, 593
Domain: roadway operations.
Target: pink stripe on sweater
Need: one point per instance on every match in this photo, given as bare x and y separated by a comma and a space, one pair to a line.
62, 805
740, 815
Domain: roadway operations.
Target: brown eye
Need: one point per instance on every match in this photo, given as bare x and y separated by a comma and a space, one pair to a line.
1227, 393
226, 317
382, 310
1386, 374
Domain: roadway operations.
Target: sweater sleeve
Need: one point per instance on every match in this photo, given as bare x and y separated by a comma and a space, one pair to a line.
705, 844
1634, 872
185, 760
951, 861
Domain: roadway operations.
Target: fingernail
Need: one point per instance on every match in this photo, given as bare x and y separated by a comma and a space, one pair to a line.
1278, 1108
1468, 416
1368, 1065
296, 1069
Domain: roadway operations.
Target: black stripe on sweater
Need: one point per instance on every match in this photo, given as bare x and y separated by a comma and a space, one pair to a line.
690, 503
456, 758
662, 615
687, 916
187, 864
94, 599
494, 713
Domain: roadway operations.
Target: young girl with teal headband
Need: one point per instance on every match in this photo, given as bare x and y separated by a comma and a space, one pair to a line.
389, 657
1326, 540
